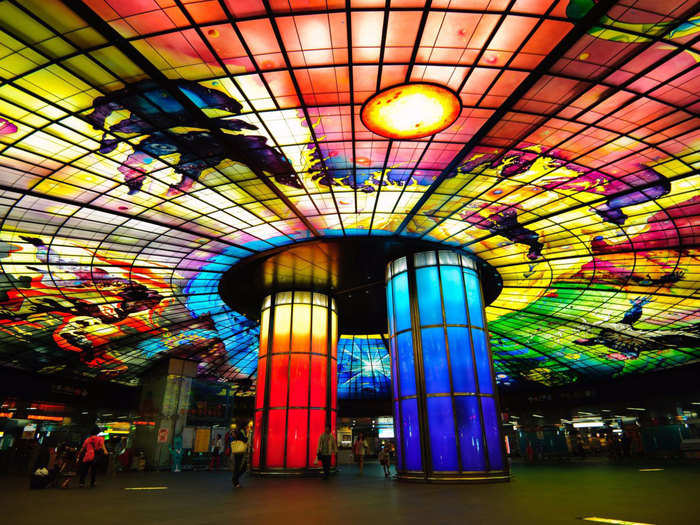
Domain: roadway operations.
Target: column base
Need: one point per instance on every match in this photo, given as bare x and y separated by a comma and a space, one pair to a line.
498, 476
290, 473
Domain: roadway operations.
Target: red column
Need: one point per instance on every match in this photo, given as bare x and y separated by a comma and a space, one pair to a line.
297, 381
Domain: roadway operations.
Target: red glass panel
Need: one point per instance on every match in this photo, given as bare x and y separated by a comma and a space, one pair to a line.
317, 423
279, 373
318, 381
260, 383
299, 380
334, 459
334, 383
274, 444
257, 435
297, 426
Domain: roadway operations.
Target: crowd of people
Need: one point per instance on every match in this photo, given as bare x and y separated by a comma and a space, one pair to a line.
58, 466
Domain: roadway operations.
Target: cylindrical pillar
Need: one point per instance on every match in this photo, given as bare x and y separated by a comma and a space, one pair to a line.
446, 415
297, 381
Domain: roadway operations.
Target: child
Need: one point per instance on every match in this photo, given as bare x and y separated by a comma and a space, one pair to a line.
384, 461
66, 464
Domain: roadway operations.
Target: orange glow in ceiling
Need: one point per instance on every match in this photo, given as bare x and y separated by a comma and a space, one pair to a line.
410, 111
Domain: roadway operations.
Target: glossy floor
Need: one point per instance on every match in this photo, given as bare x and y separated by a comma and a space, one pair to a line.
537, 495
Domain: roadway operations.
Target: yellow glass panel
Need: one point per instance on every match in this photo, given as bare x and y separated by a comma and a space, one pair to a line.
282, 328
301, 328
264, 329
320, 328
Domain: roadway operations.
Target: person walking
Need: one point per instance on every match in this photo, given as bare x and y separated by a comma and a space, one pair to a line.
92, 447
327, 446
359, 449
239, 451
216, 453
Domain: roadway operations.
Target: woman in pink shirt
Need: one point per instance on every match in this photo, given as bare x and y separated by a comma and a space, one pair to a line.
92, 446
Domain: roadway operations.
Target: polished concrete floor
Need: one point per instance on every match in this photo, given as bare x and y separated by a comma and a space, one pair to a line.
541, 494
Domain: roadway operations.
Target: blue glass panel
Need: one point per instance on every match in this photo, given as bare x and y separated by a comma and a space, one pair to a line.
469, 433
461, 360
453, 295
390, 307
443, 445
410, 434
407, 371
483, 367
428, 290
476, 316
397, 432
493, 439
437, 373
394, 377
402, 308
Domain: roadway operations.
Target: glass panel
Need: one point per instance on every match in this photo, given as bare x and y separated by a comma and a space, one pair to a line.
319, 379
264, 331
390, 307
407, 371
402, 308
297, 441
260, 383
448, 257
334, 426
399, 441
274, 445
483, 367
320, 299
437, 373
410, 434
319, 342
424, 259
468, 262
469, 432
443, 446
476, 316
334, 335
399, 265
282, 328
301, 328
317, 423
279, 373
299, 380
334, 386
453, 295
257, 438
493, 439
394, 377
428, 291
461, 359
283, 298
302, 297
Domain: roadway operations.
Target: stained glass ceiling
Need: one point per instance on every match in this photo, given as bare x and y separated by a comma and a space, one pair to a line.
148, 145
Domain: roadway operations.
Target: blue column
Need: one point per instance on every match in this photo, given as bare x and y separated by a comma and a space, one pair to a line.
446, 415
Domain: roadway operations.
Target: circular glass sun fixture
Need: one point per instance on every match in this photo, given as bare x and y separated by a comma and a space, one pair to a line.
410, 111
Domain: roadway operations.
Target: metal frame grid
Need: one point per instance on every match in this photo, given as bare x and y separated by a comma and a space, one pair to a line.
572, 169
263, 402
409, 266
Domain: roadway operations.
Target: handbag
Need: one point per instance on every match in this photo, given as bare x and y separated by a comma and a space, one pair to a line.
238, 447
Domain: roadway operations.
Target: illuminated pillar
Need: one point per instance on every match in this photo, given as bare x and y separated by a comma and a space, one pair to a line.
446, 416
297, 381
